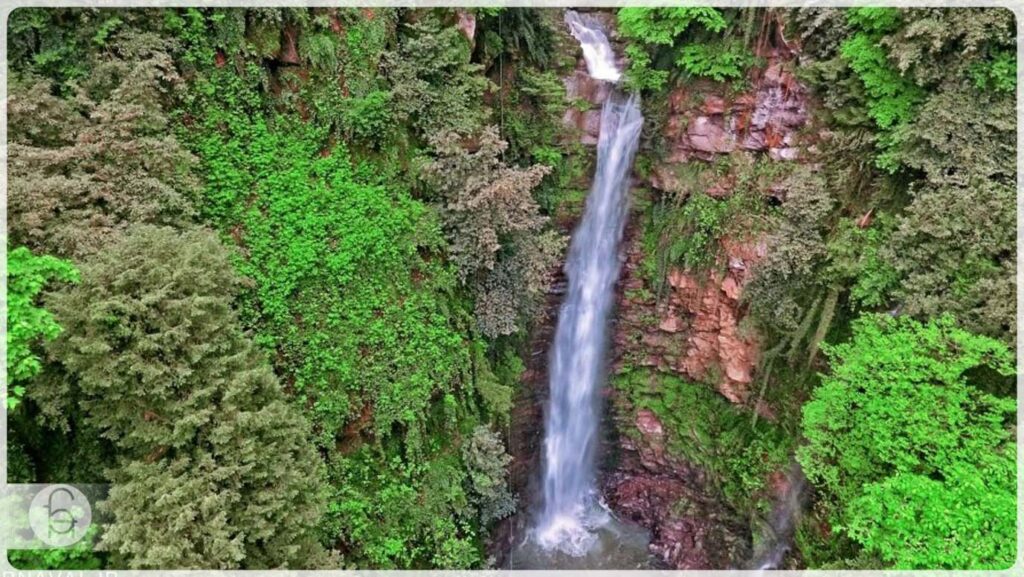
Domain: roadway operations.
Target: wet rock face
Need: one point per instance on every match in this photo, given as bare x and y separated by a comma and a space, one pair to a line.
695, 329
702, 124
689, 528
582, 118
467, 25
586, 95
693, 333
697, 333
716, 345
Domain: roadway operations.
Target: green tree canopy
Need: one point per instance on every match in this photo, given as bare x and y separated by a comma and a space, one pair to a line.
83, 169
27, 323
156, 360
897, 429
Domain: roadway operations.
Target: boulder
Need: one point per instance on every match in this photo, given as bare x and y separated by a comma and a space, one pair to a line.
649, 425
706, 136
671, 324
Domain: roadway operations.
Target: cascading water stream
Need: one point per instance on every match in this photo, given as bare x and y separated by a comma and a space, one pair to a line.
571, 509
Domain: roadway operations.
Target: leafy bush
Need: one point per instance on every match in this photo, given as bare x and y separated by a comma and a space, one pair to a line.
27, 323
856, 258
366, 321
897, 429
891, 97
664, 25
369, 118
640, 75
487, 463
719, 61
494, 227
655, 32
436, 87
1000, 73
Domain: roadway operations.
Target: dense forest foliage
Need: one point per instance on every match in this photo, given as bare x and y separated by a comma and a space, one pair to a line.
280, 267
255, 268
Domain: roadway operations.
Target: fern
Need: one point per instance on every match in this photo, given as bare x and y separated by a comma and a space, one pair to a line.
640, 75
876, 20
719, 61
891, 97
663, 25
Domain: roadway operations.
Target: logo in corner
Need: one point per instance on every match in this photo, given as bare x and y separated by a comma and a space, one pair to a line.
60, 515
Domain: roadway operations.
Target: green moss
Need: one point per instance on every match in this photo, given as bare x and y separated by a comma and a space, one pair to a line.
705, 429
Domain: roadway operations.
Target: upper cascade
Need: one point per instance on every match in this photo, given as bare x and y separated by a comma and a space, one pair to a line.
597, 52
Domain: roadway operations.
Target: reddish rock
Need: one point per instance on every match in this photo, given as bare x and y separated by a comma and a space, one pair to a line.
713, 105
687, 528
703, 125
648, 424
592, 122
671, 324
467, 25
865, 221
677, 100
783, 153
581, 86
675, 127
743, 102
673, 499
587, 124
754, 140
571, 118
731, 288
773, 75
711, 308
706, 136
288, 54
678, 279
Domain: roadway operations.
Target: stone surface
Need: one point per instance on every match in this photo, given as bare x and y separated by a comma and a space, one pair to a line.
289, 53
585, 123
467, 25
689, 529
697, 334
580, 86
671, 324
705, 122
706, 135
692, 330
713, 105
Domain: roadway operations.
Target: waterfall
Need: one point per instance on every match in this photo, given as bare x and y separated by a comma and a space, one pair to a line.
571, 508
777, 537
596, 51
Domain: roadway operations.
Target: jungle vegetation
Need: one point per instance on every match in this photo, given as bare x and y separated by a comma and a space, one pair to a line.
281, 267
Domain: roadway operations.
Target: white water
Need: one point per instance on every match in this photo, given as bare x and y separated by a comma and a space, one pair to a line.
596, 51
571, 508
777, 537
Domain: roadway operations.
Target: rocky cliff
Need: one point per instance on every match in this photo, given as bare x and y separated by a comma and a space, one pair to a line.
695, 329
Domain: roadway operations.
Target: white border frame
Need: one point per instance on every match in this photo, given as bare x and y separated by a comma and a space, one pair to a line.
1015, 6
